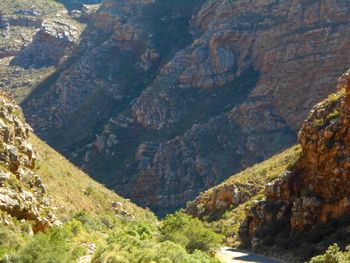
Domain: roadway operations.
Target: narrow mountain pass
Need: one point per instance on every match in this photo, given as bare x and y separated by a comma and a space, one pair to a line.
231, 255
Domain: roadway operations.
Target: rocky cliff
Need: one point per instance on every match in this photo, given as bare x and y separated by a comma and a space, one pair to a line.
307, 208
166, 99
22, 191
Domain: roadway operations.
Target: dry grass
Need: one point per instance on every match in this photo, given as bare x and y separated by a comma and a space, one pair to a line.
71, 189
268, 170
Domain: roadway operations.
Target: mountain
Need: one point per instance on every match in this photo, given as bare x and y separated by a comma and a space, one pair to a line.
161, 99
294, 205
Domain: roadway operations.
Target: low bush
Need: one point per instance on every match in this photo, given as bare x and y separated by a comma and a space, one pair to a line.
55, 246
333, 255
189, 232
139, 243
178, 239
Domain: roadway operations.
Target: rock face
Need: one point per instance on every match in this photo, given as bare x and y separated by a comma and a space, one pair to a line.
167, 99
212, 204
49, 44
314, 196
22, 192
35, 37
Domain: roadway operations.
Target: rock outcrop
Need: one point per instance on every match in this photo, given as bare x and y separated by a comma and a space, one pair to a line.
22, 192
313, 198
213, 203
170, 98
49, 45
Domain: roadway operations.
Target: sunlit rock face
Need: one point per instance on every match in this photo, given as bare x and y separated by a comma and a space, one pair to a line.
22, 192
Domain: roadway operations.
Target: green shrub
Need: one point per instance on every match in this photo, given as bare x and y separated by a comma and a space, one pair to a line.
318, 123
169, 252
334, 97
108, 221
129, 249
88, 221
163, 252
189, 232
124, 243
333, 115
139, 242
180, 238
333, 255
12, 237
54, 246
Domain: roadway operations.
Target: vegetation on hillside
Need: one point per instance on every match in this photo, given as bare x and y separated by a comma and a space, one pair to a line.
332, 100
333, 255
99, 224
179, 238
107, 238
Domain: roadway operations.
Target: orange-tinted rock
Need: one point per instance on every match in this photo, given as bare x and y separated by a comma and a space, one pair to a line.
318, 189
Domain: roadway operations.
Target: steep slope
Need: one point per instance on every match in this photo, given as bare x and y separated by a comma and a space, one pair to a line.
170, 98
223, 207
51, 212
307, 209
71, 190
37, 184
